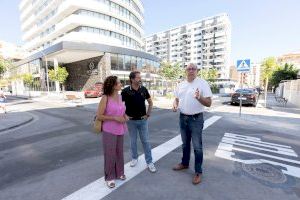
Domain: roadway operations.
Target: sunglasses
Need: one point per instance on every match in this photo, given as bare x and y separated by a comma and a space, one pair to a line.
191, 69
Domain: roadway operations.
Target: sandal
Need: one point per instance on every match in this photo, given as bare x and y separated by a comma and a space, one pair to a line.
123, 177
111, 184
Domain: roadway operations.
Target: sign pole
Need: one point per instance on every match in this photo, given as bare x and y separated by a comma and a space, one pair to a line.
240, 114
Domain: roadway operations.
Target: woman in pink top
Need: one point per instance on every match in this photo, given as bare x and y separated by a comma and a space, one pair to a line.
111, 111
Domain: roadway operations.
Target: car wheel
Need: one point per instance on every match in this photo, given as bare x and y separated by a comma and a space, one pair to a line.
233, 103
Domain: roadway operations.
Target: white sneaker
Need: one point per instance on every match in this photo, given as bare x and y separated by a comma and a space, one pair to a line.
151, 167
133, 162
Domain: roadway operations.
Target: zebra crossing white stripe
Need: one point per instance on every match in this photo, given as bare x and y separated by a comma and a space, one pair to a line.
290, 170
242, 136
253, 139
230, 147
234, 142
261, 145
98, 190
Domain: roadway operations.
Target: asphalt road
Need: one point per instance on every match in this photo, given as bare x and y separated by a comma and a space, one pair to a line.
58, 154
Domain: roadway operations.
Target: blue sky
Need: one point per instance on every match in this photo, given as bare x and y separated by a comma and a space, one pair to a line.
260, 28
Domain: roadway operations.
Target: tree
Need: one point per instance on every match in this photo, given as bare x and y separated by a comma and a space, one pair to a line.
209, 74
28, 80
286, 72
60, 74
269, 66
4, 65
171, 72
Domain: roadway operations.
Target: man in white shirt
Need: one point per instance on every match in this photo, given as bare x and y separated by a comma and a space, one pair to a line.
191, 96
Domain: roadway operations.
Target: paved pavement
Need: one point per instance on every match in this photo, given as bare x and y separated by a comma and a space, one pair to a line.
14, 120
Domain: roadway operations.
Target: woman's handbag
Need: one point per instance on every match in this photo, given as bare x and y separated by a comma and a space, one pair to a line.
97, 125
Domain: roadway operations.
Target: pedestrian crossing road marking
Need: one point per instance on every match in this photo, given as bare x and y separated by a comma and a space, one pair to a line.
98, 190
262, 152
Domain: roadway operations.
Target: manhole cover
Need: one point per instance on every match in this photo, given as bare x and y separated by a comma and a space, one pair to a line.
265, 172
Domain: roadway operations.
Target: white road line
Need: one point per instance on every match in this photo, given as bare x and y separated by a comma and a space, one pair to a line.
253, 139
229, 147
224, 140
287, 169
259, 144
242, 136
98, 190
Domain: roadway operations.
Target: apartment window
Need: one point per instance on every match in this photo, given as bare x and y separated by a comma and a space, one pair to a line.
118, 23
133, 64
124, 12
139, 63
121, 64
122, 38
127, 63
114, 61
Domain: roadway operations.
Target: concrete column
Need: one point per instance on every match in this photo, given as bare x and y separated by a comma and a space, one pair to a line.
104, 67
55, 68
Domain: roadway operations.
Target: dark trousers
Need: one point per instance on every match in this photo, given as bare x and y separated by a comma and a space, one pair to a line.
191, 130
113, 156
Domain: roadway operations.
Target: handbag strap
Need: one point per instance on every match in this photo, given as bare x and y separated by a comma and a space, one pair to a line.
99, 106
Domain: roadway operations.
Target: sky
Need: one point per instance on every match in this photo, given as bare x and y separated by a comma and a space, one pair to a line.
260, 28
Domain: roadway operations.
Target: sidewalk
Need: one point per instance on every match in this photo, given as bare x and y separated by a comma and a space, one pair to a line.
285, 119
14, 120
276, 106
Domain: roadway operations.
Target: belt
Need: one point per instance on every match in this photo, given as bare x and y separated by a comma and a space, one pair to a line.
194, 115
136, 118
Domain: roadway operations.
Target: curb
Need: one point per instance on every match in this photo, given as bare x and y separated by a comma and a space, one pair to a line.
18, 125
19, 97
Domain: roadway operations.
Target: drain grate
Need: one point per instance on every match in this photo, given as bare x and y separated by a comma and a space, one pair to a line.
265, 172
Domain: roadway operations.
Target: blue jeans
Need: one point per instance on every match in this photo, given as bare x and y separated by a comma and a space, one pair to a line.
140, 127
191, 129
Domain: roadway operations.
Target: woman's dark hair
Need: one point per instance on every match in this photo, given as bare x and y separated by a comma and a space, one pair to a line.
109, 84
132, 75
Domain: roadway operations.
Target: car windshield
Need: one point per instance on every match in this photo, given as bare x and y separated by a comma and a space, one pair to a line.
244, 91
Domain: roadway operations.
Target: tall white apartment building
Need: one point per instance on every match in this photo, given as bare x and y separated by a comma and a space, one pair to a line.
84, 35
46, 22
206, 42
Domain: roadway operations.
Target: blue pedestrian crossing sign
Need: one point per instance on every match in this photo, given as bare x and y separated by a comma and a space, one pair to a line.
243, 65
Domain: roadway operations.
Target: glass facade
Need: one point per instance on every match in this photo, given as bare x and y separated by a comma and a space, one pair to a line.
120, 10
119, 24
130, 63
126, 41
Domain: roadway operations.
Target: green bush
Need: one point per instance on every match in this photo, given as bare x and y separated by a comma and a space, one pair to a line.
170, 96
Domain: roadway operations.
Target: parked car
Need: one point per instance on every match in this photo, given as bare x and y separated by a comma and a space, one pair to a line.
248, 95
94, 91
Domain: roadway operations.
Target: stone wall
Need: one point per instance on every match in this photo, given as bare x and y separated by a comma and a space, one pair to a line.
84, 74
291, 91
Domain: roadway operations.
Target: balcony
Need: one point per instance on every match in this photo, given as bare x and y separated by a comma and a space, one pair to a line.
67, 7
